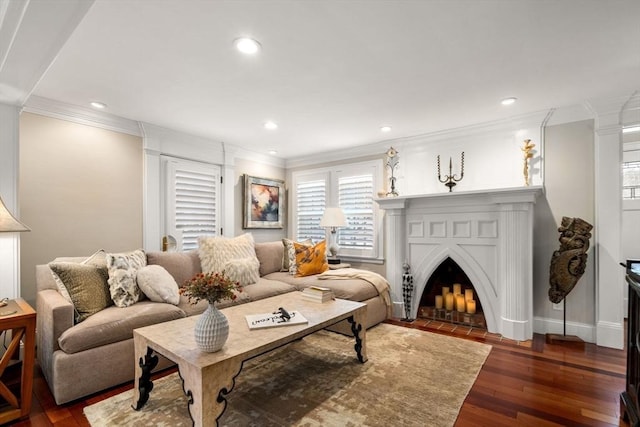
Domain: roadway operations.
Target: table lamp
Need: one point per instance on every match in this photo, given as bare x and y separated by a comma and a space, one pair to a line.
9, 224
333, 218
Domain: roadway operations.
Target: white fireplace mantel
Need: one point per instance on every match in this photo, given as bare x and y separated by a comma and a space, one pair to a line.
488, 233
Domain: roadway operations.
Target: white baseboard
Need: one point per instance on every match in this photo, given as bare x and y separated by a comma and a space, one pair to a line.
610, 335
543, 325
398, 309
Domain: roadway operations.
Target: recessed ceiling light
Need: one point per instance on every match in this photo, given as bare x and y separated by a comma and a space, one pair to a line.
270, 125
98, 105
247, 45
385, 129
273, 152
630, 129
508, 101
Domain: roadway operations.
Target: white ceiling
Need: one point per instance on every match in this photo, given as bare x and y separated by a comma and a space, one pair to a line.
331, 73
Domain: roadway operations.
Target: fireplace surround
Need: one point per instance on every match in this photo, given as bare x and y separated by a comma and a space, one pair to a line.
488, 233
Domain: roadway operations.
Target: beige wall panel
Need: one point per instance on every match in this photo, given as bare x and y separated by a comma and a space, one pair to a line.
80, 190
569, 191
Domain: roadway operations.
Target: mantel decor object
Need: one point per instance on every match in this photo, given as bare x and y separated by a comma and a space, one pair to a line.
451, 179
392, 162
527, 151
568, 264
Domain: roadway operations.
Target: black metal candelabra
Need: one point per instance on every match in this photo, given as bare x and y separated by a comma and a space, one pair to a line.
451, 179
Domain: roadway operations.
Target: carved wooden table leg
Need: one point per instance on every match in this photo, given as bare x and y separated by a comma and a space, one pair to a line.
208, 388
359, 333
145, 362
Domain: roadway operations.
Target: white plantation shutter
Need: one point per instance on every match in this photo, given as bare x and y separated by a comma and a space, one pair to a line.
310, 203
351, 187
355, 197
193, 194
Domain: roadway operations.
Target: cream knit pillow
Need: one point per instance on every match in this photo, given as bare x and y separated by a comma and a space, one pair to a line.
243, 270
215, 252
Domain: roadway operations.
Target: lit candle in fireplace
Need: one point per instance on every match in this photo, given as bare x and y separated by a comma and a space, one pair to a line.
460, 306
449, 301
471, 306
468, 294
445, 291
457, 288
439, 301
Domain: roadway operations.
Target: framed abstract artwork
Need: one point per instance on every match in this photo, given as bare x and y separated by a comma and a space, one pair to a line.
264, 202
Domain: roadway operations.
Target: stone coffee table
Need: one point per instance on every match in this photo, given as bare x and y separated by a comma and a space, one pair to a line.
209, 377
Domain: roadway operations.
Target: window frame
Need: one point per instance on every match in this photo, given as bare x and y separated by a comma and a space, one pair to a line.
331, 175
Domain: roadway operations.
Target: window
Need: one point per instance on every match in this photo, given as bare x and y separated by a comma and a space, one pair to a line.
192, 201
351, 187
631, 180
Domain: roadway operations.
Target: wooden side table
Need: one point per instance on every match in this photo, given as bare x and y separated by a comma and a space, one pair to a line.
20, 318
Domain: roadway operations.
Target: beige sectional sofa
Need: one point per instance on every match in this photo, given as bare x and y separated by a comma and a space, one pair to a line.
84, 358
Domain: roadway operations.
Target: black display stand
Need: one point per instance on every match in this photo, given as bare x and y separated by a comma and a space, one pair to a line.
629, 408
572, 340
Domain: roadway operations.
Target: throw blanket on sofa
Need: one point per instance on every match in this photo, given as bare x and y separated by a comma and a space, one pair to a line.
379, 282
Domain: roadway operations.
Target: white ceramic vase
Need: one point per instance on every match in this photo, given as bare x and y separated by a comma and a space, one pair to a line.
212, 330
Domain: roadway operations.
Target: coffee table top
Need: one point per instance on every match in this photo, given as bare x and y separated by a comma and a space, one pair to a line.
175, 339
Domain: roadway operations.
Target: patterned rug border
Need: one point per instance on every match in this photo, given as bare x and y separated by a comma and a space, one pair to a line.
395, 386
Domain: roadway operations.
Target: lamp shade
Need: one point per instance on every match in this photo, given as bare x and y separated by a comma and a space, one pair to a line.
333, 217
8, 223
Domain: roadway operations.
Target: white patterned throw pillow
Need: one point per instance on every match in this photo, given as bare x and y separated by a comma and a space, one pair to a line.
123, 269
216, 252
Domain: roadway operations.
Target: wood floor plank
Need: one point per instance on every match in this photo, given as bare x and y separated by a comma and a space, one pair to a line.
521, 384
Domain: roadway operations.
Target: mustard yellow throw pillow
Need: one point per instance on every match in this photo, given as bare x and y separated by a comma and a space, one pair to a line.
311, 259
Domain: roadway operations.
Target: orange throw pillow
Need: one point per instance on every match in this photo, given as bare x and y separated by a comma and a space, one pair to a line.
311, 259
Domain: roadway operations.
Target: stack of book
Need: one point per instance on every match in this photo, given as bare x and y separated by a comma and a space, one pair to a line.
318, 293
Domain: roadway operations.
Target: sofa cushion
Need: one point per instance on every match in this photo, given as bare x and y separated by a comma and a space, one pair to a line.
215, 252
123, 268
115, 324
86, 286
270, 255
98, 259
181, 265
265, 288
158, 285
351, 289
311, 260
242, 270
289, 255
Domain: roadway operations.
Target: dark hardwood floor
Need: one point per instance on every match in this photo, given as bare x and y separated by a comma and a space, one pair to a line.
521, 384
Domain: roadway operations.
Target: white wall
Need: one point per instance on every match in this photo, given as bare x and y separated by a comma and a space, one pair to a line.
492, 157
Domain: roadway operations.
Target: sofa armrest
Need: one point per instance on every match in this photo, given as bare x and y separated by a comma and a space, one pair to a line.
55, 315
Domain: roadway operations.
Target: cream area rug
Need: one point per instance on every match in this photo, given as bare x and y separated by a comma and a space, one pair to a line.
412, 378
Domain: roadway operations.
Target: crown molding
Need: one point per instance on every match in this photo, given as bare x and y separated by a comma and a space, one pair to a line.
82, 115
238, 152
511, 124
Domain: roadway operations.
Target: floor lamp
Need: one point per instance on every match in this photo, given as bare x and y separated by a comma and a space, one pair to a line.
9, 224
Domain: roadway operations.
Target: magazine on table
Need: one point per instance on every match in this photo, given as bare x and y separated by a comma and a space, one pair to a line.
280, 317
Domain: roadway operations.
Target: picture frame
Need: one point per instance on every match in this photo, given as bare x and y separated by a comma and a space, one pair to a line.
264, 202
